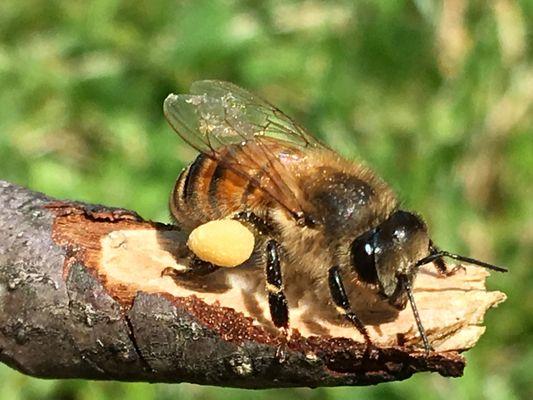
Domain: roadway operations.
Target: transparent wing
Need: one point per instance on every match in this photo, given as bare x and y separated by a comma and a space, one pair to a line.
218, 114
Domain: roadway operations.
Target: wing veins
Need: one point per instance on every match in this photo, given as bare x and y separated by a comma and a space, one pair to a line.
262, 168
226, 116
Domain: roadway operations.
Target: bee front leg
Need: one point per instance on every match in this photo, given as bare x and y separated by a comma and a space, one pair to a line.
443, 270
339, 297
441, 266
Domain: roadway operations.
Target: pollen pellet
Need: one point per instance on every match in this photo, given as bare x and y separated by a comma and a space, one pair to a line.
224, 242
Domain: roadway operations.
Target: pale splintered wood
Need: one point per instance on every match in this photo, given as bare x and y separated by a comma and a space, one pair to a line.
451, 308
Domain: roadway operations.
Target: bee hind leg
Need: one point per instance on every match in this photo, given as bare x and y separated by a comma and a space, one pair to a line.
339, 297
196, 268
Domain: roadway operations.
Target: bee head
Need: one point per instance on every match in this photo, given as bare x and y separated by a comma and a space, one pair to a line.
391, 254
388, 254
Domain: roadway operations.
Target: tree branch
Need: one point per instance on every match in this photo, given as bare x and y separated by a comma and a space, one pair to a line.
81, 296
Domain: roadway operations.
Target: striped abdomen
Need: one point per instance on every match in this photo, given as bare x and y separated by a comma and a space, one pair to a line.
207, 189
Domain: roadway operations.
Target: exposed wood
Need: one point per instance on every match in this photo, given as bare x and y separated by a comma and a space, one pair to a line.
82, 296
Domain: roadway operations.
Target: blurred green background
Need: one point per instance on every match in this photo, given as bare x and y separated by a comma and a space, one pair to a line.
436, 96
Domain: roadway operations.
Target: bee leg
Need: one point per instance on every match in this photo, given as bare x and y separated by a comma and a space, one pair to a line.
416, 315
259, 224
196, 268
440, 264
277, 302
443, 270
276, 298
339, 297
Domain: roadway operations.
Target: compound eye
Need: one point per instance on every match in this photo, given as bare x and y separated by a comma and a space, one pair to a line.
363, 257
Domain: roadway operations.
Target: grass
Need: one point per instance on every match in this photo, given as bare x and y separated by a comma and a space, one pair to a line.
436, 97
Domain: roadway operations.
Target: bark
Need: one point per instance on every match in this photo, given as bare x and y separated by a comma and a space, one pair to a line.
81, 296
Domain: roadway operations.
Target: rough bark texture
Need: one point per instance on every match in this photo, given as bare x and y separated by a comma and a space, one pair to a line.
81, 297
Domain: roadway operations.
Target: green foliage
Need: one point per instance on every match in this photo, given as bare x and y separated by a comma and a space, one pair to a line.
436, 97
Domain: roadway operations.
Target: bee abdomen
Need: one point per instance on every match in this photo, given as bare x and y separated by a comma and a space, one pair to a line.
188, 200
206, 190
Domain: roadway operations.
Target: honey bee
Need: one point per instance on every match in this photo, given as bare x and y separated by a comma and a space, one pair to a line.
314, 214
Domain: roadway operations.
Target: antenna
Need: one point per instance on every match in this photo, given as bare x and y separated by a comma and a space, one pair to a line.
442, 253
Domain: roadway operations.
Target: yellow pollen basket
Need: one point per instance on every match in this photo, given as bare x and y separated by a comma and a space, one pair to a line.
224, 242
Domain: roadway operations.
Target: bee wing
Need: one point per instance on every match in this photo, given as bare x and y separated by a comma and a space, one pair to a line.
219, 114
